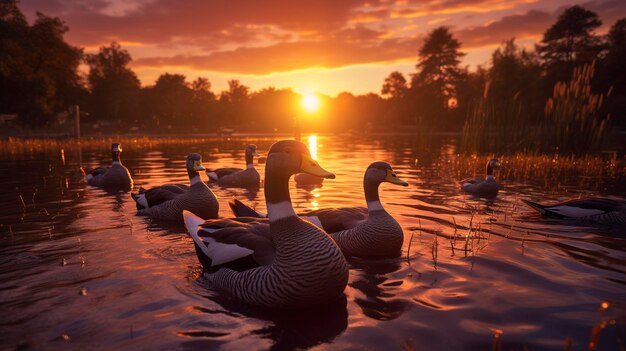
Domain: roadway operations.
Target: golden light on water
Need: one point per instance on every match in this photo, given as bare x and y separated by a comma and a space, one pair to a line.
311, 102
313, 146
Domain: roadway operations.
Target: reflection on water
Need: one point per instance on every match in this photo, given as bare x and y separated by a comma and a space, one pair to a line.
78, 268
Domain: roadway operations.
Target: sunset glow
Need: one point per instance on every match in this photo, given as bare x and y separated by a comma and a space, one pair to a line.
311, 102
335, 46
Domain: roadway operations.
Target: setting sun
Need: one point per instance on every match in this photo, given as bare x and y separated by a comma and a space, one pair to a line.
311, 102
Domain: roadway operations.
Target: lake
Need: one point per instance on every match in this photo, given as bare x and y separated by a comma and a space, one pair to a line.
80, 270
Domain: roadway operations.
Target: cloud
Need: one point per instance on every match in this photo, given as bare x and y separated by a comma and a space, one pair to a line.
290, 56
531, 23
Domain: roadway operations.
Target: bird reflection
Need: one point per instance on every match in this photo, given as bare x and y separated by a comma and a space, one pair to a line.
294, 329
372, 282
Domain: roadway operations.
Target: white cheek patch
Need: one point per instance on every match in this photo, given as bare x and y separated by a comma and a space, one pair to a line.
575, 212
313, 219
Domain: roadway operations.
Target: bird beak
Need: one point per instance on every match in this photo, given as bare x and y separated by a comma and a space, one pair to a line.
310, 166
393, 179
254, 153
197, 166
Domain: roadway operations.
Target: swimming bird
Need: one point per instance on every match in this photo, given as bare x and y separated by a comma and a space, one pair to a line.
115, 176
300, 266
483, 187
363, 232
167, 202
237, 177
600, 210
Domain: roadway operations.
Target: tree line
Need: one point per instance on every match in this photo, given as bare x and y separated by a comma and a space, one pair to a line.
40, 77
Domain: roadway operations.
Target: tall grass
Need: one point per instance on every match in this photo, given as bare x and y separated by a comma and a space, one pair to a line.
572, 122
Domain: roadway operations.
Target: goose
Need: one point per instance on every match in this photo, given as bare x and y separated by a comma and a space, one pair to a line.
599, 210
167, 202
115, 176
363, 232
237, 177
487, 187
296, 264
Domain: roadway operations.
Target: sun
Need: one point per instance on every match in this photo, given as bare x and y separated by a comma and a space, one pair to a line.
311, 102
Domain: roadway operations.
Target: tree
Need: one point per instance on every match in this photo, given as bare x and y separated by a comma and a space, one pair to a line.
435, 85
395, 86
172, 99
515, 74
613, 72
234, 101
38, 70
570, 42
114, 86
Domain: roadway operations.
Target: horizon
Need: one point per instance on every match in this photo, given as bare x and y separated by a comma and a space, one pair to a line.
340, 47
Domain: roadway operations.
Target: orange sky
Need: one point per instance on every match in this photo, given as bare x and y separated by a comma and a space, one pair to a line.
326, 46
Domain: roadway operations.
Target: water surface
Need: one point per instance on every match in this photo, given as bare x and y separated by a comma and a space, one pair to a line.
79, 269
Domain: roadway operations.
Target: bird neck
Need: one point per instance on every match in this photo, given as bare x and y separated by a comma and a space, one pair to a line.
277, 193
194, 177
249, 160
371, 195
489, 170
115, 158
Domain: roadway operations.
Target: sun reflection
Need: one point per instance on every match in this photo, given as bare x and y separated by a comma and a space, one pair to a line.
313, 146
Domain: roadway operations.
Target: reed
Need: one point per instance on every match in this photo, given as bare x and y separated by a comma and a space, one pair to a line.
573, 120
572, 123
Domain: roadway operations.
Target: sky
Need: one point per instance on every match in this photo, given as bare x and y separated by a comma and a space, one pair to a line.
323, 46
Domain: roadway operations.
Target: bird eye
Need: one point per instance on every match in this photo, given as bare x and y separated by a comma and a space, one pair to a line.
393, 174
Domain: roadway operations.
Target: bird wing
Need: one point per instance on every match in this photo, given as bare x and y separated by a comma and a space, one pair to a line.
337, 219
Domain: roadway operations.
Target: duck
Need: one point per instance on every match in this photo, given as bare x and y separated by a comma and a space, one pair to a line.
295, 263
366, 232
168, 201
483, 187
237, 177
115, 176
599, 210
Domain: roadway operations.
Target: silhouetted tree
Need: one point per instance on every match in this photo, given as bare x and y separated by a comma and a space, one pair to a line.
202, 104
395, 86
233, 102
515, 74
570, 42
114, 86
38, 69
435, 84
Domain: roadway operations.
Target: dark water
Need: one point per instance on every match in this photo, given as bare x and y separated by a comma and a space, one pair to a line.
79, 270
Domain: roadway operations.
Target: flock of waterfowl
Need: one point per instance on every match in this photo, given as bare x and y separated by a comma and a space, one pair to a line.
283, 259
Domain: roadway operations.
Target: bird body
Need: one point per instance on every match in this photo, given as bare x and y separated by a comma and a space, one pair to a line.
600, 210
289, 262
483, 187
363, 232
115, 176
237, 177
167, 202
